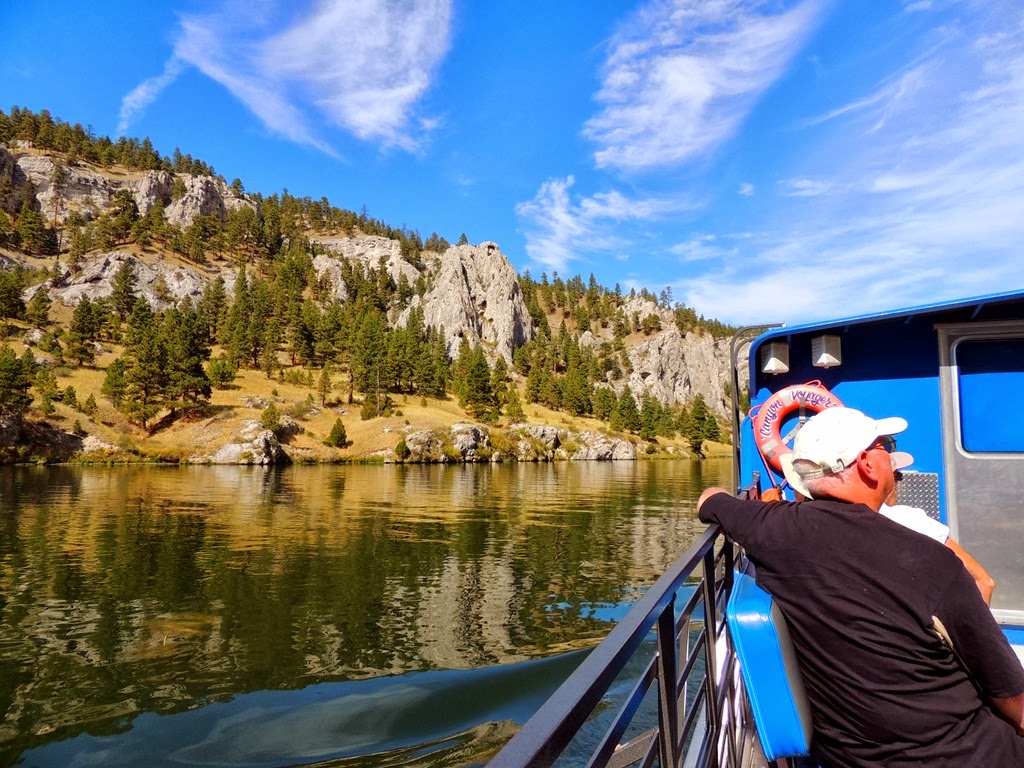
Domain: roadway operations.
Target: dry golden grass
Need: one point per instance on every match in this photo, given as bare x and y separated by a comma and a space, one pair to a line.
230, 411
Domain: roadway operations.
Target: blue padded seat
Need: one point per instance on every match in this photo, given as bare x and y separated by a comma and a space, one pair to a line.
769, 668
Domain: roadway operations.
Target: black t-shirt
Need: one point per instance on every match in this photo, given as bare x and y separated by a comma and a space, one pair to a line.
860, 594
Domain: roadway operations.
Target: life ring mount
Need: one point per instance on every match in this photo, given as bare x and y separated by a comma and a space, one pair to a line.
767, 421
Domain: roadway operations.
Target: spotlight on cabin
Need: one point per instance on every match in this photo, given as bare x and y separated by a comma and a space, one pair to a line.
775, 357
826, 351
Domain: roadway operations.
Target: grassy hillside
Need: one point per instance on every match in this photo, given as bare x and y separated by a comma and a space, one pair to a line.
224, 419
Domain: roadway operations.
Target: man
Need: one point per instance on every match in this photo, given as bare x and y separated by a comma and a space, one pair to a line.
914, 518
902, 660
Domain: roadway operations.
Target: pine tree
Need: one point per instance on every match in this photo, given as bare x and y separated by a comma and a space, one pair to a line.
604, 402
145, 369
368, 351
184, 339
15, 380
650, 413
576, 392
337, 438
31, 225
440, 363
237, 329
627, 415
11, 303
514, 407
269, 341
499, 379
700, 426
324, 386
475, 392
213, 306
222, 372
113, 383
83, 331
38, 310
122, 296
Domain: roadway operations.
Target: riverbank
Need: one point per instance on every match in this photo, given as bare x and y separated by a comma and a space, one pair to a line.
230, 429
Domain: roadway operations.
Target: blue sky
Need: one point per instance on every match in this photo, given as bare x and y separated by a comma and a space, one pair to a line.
767, 161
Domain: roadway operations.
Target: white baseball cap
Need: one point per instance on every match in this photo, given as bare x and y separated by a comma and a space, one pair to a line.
831, 440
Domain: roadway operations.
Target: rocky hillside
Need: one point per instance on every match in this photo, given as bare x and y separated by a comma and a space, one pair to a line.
471, 292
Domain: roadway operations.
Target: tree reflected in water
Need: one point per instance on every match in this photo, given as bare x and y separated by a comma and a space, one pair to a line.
137, 590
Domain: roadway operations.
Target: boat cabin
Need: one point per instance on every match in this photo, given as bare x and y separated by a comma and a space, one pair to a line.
953, 371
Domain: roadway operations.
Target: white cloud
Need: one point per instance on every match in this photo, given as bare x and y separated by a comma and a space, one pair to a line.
745, 190
365, 63
361, 64
702, 248
683, 75
925, 183
146, 92
559, 229
804, 187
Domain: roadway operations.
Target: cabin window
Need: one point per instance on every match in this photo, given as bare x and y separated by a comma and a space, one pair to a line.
990, 374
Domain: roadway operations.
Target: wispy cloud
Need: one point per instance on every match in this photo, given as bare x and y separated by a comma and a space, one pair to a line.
925, 182
683, 74
703, 248
361, 65
559, 228
804, 187
145, 93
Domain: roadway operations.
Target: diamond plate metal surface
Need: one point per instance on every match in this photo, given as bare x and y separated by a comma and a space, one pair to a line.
920, 489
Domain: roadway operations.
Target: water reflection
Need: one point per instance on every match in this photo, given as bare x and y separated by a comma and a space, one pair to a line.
138, 590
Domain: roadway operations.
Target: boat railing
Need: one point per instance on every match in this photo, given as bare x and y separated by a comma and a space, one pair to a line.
663, 687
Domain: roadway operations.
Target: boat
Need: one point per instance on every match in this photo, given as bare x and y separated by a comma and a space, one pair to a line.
668, 685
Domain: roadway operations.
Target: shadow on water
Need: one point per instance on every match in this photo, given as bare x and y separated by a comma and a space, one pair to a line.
435, 718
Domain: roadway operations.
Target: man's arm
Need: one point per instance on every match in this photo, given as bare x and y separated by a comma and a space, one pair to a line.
986, 584
1012, 710
969, 628
707, 494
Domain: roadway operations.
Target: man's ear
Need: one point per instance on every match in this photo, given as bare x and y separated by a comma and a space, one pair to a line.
867, 465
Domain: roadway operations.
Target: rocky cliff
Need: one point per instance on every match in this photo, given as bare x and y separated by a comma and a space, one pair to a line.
471, 291
89, 190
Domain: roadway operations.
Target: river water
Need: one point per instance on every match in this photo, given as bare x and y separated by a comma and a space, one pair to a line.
329, 616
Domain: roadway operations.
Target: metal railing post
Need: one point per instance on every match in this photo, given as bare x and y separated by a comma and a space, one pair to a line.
734, 372
668, 670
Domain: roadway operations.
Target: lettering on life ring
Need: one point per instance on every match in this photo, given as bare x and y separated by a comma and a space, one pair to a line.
767, 422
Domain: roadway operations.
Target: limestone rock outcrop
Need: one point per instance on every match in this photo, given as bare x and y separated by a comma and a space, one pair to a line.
204, 195
256, 446
675, 368
161, 284
597, 447
473, 290
473, 443
10, 172
89, 192
475, 293
155, 187
86, 191
671, 366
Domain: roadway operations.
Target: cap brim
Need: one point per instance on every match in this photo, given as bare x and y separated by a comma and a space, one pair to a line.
890, 426
900, 460
793, 477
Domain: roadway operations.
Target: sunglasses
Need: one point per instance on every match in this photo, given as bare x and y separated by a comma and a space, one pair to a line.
888, 442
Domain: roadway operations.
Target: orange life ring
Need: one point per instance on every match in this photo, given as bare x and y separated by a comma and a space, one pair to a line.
813, 396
